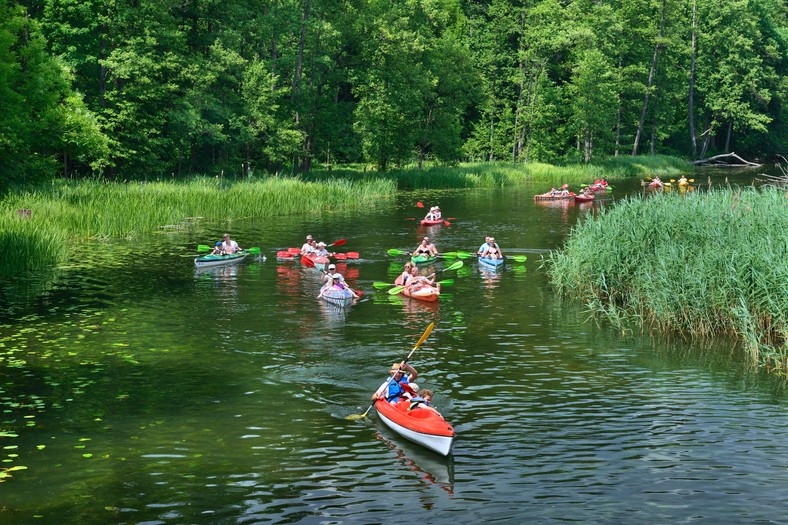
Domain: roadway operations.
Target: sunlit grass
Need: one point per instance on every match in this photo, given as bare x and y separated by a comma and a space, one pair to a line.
68, 212
702, 263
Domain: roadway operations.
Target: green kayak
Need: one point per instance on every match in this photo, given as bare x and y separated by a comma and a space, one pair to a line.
422, 259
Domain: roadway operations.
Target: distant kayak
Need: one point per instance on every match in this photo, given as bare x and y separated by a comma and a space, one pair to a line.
219, 260
422, 259
584, 198
436, 222
492, 263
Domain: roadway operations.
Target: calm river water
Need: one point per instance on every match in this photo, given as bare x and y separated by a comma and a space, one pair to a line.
136, 390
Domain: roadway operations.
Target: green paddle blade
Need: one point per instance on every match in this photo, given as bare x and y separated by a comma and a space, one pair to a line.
395, 253
396, 290
255, 250
203, 248
381, 285
448, 255
463, 255
446, 282
456, 265
519, 258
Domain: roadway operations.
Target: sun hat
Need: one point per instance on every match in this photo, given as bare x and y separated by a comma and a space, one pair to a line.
321, 243
395, 368
332, 266
308, 237
219, 243
336, 276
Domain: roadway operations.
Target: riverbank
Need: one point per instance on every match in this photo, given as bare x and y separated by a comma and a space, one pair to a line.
501, 174
699, 263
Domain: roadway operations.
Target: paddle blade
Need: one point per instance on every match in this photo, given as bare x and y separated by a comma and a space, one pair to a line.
340, 242
255, 250
463, 255
410, 218
456, 265
203, 248
446, 223
448, 255
446, 282
306, 261
419, 205
352, 255
519, 258
396, 290
381, 285
353, 417
394, 252
340, 256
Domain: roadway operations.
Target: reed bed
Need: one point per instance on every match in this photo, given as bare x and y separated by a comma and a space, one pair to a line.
67, 212
701, 263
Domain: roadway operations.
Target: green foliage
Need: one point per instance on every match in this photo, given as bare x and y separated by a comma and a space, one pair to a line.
701, 263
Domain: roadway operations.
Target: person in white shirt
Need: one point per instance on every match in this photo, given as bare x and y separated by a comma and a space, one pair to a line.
230, 246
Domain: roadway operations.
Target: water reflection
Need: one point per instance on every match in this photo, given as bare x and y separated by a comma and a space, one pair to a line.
431, 469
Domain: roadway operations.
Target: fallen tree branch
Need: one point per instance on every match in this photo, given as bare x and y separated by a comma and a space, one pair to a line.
723, 161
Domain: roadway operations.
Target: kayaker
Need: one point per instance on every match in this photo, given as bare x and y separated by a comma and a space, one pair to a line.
417, 282
426, 248
436, 214
404, 277
230, 246
564, 190
321, 250
217, 250
492, 251
683, 181
422, 399
332, 270
430, 215
306, 249
393, 390
484, 246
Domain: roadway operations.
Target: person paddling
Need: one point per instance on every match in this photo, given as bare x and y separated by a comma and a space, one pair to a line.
492, 250
395, 389
306, 248
230, 246
426, 248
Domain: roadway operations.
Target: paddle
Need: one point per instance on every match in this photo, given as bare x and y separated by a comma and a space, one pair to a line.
396, 253
518, 258
204, 248
455, 255
343, 256
397, 289
418, 344
340, 242
419, 205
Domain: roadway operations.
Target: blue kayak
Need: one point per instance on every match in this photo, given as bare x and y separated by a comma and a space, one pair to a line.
490, 263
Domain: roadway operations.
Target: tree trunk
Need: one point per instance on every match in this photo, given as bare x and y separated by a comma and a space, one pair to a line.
650, 81
492, 133
296, 88
691, 98
517, 145
728, 136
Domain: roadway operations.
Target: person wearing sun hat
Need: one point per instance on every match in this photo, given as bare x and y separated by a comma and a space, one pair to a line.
399, 384
436, 214
321, 250
430, 215
306, 248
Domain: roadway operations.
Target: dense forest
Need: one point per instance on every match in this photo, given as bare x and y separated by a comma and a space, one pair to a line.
124, 89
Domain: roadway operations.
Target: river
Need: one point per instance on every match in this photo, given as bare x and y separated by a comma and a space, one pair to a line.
137, 390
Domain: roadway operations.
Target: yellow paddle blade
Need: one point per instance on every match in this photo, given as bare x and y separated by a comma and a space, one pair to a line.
353, 417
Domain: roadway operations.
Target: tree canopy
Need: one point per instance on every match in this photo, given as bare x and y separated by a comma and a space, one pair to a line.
165, 87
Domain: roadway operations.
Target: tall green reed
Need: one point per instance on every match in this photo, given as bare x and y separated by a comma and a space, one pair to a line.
702, 263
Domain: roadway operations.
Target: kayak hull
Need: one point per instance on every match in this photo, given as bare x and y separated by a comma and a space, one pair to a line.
584, 198
490, 263
427, 293
548, 197
338, 297
423, 426
422, 259
219, 260
425, 222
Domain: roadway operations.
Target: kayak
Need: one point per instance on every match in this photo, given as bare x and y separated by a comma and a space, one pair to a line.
435, 222
584, 198
490, 263
422, 259
548, 197
219, 260
340, 297
424, 426
288, 255
425, 293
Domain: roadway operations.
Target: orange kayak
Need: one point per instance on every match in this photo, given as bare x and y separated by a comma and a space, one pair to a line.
426, 293
424, 426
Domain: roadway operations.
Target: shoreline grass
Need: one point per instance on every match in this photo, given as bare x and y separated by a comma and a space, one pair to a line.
701, 264
70, 211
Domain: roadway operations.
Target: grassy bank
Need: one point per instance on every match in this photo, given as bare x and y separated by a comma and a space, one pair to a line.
701, 263
499, 174
69, 211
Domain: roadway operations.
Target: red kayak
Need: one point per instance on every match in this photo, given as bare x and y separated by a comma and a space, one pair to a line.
436, 222
321, 263
422, 425
584, 198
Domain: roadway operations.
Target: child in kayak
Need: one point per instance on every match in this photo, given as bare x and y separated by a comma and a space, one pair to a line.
217, 250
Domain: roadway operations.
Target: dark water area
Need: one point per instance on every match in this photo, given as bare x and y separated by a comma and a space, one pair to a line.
138, 390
